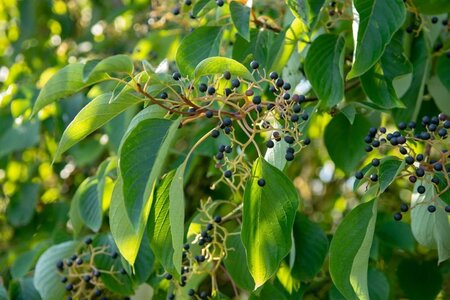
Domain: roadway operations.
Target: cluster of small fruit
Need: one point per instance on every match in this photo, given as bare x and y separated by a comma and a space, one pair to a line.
433, 165
187, 3
243, 109
207, 246
81, 278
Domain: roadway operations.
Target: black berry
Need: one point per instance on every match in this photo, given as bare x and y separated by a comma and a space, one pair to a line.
261, 182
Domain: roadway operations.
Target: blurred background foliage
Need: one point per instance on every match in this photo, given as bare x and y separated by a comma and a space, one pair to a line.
37, 38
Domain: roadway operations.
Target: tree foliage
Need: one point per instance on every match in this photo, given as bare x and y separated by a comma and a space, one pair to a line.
224, 149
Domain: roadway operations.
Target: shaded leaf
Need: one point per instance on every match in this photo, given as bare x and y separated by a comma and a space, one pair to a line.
202, 43
19, 137
350, 249
240, 15
236, 263
374, 24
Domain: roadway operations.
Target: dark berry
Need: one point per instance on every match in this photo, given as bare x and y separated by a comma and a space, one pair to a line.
375, 162
227, 75
435, 180
398, 216
404, 207
420, 172
188, 2
294, 118
273, 75
409, 160
412, 125
64, 279
176, 11
69, 287
305, 116
79, 261
168, 276
270, 144
402, 126
87, 278
123, 272
447, 208
438, 166
200, 258
171, 297
219, 155
227, 174
290, 150
256, 100
287, 86
296, 108
220, 3
202, 87
286, 96
442, 132
374, 177
215, 133
307, 141
403, 150
209, 226
60, 265
375, 143
88, 241
434, 20
279, 82
228, 92
254, 65
261, 182
421, 189
289, 139
359, 175
289, 156
227, 130
447, 124
211, 90
163, 95
217, 219
191, 292
176, 76
368, 148
209, 114
235, 83
203, 295
412, 179
431, 208
186, 247
419, 157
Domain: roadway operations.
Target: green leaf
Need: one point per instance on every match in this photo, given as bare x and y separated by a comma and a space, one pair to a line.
19, 137
176, 215
236, 264
3, 293
126, 236
442, 71
46, 278
113, 64
22, 204
439, 93
324, 65
396, 234
379, 88
430, 229
419, 279
218, 65
93, 116
389, 168
145, 259
374, 24
25, 261
89, 203
432, 7
240, 15
67, 81
142, 155
414, 95
350, 249
23, 289
202, 43
339, 134
378, 285
311, 247
158, 229
307, 10
268, 217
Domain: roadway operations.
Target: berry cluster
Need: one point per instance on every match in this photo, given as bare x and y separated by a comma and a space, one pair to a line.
243, 110
205, 251
432, 166
82, 279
